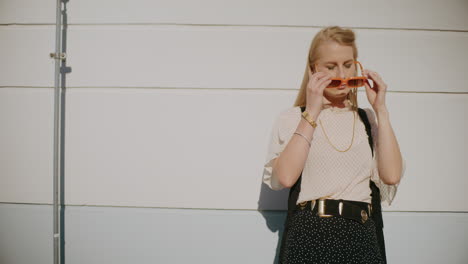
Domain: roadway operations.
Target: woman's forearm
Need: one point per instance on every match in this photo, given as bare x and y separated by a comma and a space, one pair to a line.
389, 156
289, 164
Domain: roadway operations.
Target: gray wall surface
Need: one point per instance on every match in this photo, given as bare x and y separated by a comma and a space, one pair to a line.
154, 235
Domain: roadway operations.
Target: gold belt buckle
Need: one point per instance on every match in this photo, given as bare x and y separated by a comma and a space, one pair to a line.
303, 205
364, 216
321, 208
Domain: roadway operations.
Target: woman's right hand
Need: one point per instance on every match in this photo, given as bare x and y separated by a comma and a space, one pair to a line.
314, 91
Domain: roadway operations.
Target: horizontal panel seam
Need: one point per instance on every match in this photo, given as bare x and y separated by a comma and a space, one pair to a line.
211, 89
230, 25
207, 209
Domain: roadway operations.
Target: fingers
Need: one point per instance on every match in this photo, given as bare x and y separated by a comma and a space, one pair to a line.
318, 82
365, 73
378, 83
324, 82
323, 77
309, 69
371, 75
320, 75
367, 85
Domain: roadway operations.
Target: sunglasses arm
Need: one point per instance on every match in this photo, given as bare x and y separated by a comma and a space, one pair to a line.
360, 66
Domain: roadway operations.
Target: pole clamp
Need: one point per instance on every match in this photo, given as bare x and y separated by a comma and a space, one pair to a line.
60, 56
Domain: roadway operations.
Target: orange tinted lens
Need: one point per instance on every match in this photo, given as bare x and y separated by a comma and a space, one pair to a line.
334, 83
355, 82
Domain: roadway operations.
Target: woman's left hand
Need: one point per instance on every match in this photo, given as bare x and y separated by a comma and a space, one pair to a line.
376, 93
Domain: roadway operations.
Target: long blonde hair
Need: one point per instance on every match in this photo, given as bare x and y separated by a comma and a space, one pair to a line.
343, 37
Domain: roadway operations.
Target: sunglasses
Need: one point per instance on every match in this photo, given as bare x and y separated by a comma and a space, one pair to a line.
352, 82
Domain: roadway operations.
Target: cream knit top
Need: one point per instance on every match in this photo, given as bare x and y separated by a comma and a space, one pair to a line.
327, 172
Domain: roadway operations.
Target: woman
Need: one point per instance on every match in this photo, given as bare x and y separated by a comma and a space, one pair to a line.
322, 145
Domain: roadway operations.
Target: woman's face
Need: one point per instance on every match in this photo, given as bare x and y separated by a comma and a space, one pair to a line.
338, 60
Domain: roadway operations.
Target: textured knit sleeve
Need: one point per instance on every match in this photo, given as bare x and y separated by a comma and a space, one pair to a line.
283, 128
387, 191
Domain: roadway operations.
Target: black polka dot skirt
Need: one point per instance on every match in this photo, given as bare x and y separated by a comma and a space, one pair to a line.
308, 238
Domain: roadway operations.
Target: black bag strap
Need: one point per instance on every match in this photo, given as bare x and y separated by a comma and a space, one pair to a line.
375, 191
365, 120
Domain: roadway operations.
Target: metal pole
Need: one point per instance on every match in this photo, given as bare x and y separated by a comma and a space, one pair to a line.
57, 126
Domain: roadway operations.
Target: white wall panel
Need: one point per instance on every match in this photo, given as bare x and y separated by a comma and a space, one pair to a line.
207, 236
26, 145
25, 59
362, 13
153, 235
167, 148
254, 57
432, 135
170, 56
421, 14
206, 149
426, 237
27, 11
26, 234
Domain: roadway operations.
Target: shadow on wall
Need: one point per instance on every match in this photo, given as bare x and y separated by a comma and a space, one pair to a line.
273, 205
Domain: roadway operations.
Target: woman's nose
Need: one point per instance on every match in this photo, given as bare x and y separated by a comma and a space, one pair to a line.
341, 73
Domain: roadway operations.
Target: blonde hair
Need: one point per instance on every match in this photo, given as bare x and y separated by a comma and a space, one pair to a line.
343, 37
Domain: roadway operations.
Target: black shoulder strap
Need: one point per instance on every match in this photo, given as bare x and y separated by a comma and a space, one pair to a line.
365, 120
375, 191
376, 202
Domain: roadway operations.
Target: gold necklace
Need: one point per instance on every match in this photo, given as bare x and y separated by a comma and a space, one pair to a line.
352, 140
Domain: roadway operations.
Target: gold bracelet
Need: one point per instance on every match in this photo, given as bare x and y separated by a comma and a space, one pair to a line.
307, 117
297, 133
